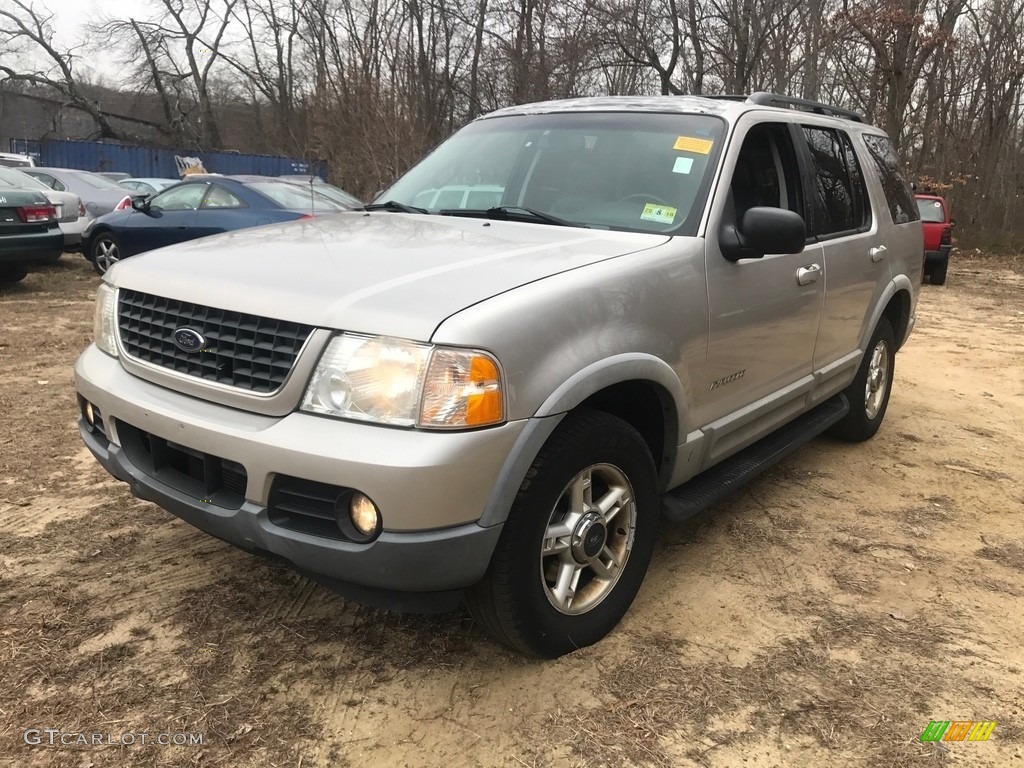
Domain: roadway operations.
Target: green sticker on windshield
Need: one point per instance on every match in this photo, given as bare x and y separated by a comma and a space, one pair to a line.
662, 214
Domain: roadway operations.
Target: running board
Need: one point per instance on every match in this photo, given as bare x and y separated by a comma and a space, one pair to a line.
714, 484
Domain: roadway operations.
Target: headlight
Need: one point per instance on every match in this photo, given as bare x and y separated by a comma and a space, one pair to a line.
405, 383
370, 378
104, 323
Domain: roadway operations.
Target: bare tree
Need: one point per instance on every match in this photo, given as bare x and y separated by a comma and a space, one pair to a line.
29, 30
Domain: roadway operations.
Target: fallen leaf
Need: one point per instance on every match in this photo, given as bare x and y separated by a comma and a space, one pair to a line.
898, 616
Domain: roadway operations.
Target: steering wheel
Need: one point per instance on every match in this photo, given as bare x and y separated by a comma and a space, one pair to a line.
644, 198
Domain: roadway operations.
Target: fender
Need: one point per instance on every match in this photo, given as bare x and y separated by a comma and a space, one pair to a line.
899, 283
574, 391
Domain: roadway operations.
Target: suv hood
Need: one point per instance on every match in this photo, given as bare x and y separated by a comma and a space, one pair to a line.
377, 273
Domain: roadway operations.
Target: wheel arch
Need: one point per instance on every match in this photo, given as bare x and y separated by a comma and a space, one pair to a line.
642, 390
896, 305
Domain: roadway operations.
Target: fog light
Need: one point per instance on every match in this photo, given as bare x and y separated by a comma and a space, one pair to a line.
90, 415
364, 514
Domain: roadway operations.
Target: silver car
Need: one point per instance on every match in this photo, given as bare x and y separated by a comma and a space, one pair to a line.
99, 193
568, 321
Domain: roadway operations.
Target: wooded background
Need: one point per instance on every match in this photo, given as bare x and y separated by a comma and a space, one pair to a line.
370, 85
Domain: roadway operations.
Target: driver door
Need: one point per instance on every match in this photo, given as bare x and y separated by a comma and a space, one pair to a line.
168, 220
764, 311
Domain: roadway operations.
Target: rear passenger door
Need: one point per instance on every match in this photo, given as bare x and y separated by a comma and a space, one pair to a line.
855, 267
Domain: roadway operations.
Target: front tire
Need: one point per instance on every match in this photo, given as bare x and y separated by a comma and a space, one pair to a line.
104, 252
10, 274
869, 392
578, 540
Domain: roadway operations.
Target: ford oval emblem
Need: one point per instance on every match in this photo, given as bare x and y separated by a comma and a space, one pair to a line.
188, 340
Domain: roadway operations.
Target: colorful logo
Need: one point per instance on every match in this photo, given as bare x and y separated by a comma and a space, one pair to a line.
958, 730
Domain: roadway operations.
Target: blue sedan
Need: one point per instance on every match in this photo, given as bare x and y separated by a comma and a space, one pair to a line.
197, 207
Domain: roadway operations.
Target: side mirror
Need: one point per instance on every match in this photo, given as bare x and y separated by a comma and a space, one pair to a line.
763, 230
140, 202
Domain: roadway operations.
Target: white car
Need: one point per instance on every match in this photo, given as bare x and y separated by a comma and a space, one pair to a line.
12, 160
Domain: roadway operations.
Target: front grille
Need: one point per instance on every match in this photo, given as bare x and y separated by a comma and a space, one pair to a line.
306, 506
202, 476
244, 351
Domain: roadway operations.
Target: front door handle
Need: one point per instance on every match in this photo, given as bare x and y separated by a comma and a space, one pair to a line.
877, 254
808, 274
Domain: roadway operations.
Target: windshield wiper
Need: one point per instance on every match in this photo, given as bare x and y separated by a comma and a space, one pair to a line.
393, 206
511, 213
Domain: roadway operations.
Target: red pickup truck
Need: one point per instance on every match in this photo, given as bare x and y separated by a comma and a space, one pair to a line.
937, 227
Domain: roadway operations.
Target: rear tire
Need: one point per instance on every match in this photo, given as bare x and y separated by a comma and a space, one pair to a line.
577, 542
869, 392
937, 275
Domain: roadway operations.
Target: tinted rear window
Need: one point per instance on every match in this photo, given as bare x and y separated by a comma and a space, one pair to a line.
898, 193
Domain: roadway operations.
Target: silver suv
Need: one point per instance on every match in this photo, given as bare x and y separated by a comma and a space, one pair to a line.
570, 320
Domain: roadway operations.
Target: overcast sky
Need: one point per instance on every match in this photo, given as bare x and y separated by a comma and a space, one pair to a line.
71, 17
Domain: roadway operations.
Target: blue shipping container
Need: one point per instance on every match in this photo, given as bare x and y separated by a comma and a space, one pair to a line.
159, 162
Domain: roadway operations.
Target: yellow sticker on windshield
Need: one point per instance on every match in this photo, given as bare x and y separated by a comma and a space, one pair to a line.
662, 214
690, 144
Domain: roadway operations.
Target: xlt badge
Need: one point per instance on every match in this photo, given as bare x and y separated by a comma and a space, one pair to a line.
728, 379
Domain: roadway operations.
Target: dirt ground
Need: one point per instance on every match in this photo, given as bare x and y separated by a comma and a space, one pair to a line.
820, 617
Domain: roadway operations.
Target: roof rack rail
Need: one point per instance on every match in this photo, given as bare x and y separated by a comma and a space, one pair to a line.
776, 100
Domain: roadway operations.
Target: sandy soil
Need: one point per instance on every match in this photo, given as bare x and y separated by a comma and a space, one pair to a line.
820, 617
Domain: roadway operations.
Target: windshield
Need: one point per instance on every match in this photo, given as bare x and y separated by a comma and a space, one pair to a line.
931, 211
633, 171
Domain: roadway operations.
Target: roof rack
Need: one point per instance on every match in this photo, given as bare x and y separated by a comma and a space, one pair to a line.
764, 98
775, 100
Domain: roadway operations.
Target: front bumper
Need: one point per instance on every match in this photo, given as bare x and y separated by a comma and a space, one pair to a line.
431, 487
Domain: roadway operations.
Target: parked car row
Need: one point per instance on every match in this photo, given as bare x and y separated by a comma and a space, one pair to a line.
108, 220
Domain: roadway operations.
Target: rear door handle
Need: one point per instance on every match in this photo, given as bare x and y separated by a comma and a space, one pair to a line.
877, 253
808, 274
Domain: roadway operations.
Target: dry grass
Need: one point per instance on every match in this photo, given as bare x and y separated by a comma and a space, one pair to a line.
660, 695
1010, 554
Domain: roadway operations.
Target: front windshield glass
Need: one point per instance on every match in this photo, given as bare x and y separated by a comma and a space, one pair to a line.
632, 171
931, 210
